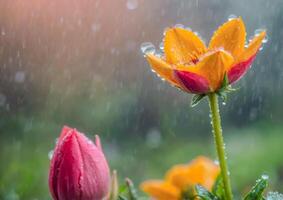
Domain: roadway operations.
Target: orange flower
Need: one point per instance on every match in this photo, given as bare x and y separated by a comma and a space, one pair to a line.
190, 65
179, 178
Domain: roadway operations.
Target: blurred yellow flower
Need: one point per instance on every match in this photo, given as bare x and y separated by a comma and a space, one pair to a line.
179, 178
191, 66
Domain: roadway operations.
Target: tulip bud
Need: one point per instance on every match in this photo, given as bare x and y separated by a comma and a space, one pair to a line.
79, 170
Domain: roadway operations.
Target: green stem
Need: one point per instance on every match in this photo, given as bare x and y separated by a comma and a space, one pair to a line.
217, 131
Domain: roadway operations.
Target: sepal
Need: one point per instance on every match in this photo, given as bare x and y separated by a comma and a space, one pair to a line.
225, 88
196, 99
128, 191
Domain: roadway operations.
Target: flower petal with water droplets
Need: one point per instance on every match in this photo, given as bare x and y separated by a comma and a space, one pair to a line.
182, 46
162, 68
231, 36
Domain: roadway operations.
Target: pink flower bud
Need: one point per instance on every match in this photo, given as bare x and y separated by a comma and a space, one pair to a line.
79, 170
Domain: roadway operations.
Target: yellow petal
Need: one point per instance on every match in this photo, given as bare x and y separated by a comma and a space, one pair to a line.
253, 47
182, 46
177, 175
203, 171
162, 68
160, 190
231, 36
212, 66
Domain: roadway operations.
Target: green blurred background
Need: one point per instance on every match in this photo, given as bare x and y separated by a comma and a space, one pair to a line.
78, 63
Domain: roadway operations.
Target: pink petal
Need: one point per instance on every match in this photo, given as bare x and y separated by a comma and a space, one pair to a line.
239, 69
192, 82
78, 168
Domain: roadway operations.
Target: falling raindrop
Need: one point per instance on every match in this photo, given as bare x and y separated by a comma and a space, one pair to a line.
20, 77
231, 17
147, 48
132, 4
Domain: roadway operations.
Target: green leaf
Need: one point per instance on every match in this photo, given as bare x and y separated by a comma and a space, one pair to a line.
131, 189
196, 99
256, 193
122, 198
204, 194
218, 188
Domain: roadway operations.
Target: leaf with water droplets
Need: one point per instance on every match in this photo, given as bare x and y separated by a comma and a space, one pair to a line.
204, 194
256, 193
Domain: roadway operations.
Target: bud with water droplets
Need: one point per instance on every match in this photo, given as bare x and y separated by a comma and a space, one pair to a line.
79, 170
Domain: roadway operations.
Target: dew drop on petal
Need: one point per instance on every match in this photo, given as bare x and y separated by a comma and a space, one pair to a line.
231, 17
161, 46
165, 30
261, 48
188, 28
258, 31
265, 39
147, 48
179, 26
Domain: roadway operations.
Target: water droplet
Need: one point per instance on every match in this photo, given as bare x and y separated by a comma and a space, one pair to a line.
132, 4
274, 196
20, 77
147, 48
159, 54
231, 17
50, 154
161, 46
261, 48
224, 103
179, 26
265, 40
258, 31
265, 177
165, 30
188, 28
216, 162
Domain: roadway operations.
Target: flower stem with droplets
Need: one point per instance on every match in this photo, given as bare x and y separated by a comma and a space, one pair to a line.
219, 142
